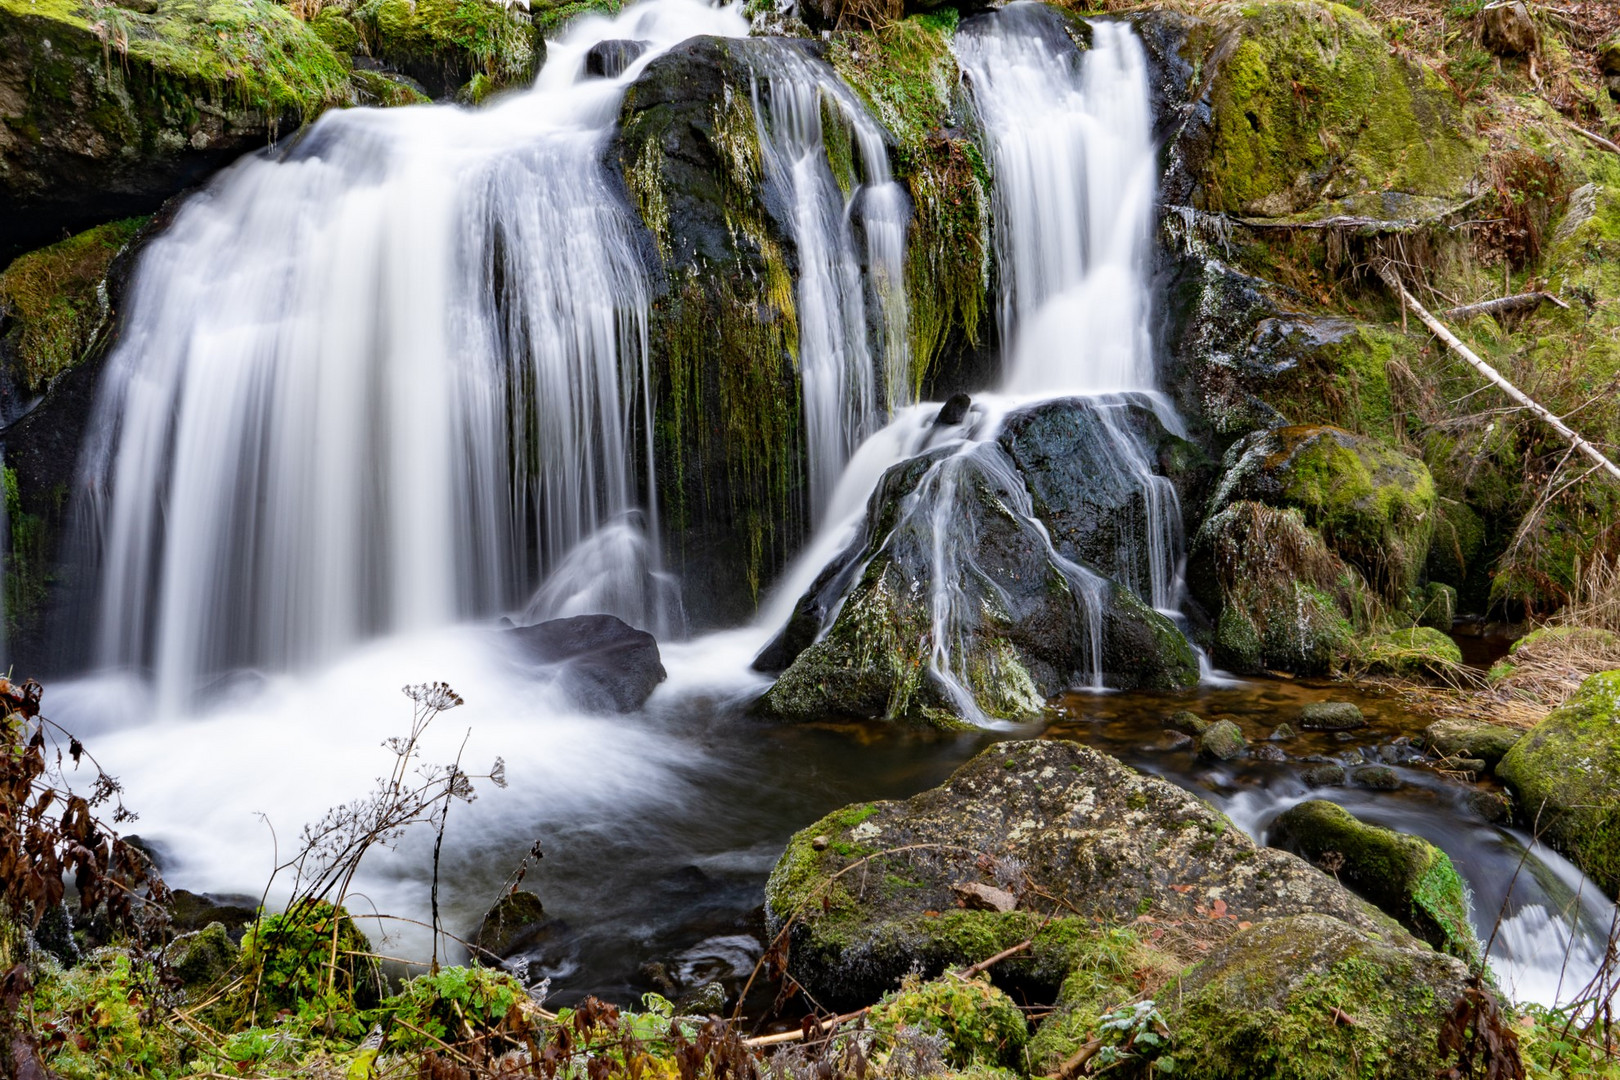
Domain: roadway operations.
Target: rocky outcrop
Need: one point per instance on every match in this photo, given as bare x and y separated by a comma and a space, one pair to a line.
1566, 776
1312, 998
1057, 824
603, 664
1409, 878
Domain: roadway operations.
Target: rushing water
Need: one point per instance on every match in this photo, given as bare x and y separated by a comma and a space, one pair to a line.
392, 379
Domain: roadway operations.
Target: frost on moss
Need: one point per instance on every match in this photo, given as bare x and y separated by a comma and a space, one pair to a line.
1566, 775
53, 303
1312, 105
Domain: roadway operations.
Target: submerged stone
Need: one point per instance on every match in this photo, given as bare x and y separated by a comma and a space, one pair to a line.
1187, 722
606, 664
1565, 775
1376, 778
1106, 841
1324, 775
1406, 876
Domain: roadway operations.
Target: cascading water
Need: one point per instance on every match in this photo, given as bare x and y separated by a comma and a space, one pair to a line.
370, 384
795, 101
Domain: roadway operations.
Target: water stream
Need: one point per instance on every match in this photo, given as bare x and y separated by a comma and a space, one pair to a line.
389, 382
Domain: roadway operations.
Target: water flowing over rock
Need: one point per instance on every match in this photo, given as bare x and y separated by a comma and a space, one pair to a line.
605, 665
1107, 842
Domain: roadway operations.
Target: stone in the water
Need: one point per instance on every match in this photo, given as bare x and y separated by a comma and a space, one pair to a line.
1267, 752
1493, 806
1222, 742
505, 926
1103, 839
610, 665
1189, 722
609, 59
1406, 876
1312, 990
1331, 716
1282, 733
1174, 740
953, 411
709, 999
1453, 738
1326, 775
1376, 777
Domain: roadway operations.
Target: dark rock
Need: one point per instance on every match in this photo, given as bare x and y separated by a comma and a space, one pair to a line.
1103, 839
708, 999
1282, 733
1331, 716
1174, 740
506, 926
1260, 1004
610, 59
54, 935
1407, 877
1507, 29
1324, 775
193, 911
953, 411
1476, 767
1375, 777
1189, 722
608, 665
203, 958
1267, 752
1222, 742
1470, 739
1492, 806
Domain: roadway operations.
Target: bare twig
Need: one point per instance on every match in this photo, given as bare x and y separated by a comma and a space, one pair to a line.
1503, 305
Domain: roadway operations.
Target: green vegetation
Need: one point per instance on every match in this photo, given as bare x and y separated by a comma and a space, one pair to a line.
479, 32
981, 1024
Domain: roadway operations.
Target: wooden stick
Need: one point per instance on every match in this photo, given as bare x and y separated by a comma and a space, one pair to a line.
985, 965
784, 1037
1595, 137
1071, 1068
1502, 305
1387, 271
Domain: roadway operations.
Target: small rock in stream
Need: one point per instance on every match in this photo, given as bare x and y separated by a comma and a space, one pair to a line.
1223, 741
1331, 716
1324, 776
1376, 777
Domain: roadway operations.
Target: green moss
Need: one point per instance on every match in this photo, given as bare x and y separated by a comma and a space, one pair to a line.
28, 578
1419, 651
103, 1001
981, 1024
1566, 775
1406, 876
311, 955
56, 298
333, 26
1108, 968
482, 32
1312, 104
451, 1005
552, 17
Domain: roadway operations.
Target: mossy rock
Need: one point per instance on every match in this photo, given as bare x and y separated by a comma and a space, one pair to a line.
1565, 774
1406, 876
284, 961
515, 915
981, 1025
1222, 741
1108, 970
1331, 716
107, 123
551, 17
1311, 998
1189, 723
1311, 105
445, 43
1323, 370
1455, 552
868, 888
1578, 638
1283, 597
1461, 738
1419, 652
1370, 502
1435, 607
202, 960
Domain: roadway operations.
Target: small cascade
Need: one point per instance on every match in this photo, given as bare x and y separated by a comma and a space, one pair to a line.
801, 110
372, 383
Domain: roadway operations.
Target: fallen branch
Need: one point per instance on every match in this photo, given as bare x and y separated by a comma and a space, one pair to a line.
1596, 138
785, 1037
984, 965
1503, 305
1393, 280
1077, 1061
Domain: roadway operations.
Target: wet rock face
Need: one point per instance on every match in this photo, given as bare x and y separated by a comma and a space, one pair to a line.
1261, 1004
1409, 878
605, 664
1101, 837
609, 59
1566, 776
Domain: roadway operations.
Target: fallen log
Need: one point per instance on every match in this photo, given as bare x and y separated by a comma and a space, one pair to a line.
1387, 271
1502, 305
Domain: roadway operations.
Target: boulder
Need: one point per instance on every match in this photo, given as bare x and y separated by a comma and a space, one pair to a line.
1331, 716
1189, 723
1106, 842
1507, 29
1376, 778
1416, 653
1223, 741
1437, 607
1325, 774
1460, 738
1407, 877
1565, 775
1021, 621
203, 958
1369, 502
609, 59
506, 926
607, 665
981, 1025
475, 46
1311, 997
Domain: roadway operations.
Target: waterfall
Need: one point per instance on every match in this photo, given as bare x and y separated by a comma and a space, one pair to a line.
801, 108
373, 382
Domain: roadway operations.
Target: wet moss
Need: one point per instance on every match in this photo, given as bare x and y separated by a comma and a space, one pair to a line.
551, 17
55, 303
981, 1024
27, 566
471, 36
1417, 652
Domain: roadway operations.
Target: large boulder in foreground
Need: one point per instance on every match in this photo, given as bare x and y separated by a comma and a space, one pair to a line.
1566, 775
606, 664
1047, 825
1310, 996
1406, 876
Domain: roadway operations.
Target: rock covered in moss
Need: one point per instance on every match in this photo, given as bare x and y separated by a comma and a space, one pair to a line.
1324, 774
1370, 502
1565, 774
1418, 652
203, 959
505, 925
1331, 716
1107, 970
1222, 741
981, 1025
1278, 589
442, 44
1376, 778
1310, 105
1189, 723
1110, 843
1406, 876
91, 130
1457, 737
1311, 998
